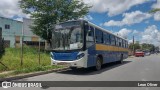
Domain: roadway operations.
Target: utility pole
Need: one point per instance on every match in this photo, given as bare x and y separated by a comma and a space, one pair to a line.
39, 57
22, 45
133, 46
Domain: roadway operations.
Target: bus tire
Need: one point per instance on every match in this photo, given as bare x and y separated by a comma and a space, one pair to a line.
98, 64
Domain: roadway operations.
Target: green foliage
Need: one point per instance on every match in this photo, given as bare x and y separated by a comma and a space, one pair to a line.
154, 10
29, 70
46, 13
144, 46
135, 46
34, 69
149, 47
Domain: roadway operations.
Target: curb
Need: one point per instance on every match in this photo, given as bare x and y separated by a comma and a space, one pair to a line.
21, 76
131, 56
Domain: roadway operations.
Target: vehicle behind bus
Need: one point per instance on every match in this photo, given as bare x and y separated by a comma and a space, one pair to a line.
82, 44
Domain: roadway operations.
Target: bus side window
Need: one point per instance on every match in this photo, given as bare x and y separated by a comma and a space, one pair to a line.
102, 39
115, 41
112, 40
125, 44
106, 38
109, 39
120, 42
99, 36
90, 36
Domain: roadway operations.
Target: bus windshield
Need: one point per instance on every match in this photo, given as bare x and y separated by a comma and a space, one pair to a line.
67, 36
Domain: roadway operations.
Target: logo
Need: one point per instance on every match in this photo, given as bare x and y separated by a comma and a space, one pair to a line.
6, 84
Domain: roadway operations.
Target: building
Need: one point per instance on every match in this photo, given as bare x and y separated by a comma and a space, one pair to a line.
30, 38
13, 31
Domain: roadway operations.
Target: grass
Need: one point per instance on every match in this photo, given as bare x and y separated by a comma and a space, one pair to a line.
34, 69
29, 70
12, 59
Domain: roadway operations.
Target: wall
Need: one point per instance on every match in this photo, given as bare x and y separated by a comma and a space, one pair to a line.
14, 30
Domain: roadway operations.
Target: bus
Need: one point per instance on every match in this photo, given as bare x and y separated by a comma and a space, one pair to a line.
82, 44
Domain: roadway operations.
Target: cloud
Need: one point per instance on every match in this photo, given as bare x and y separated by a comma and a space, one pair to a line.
151, 35
135, 32
19, 19
146, 22
157, 16
124, 32
112, 7
10, 8
129, 19
156, 5
130, 41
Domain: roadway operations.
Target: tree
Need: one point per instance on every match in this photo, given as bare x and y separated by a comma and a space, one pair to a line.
154, 10
156, 48
46, 13
135, 46
149, 47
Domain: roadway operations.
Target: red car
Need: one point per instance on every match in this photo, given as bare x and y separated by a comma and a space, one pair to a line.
139, 53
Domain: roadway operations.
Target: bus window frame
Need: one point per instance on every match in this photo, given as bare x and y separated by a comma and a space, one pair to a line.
112, 39
99, 36
91, 28
106, 38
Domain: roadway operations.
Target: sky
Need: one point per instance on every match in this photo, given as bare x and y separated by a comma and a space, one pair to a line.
126, 18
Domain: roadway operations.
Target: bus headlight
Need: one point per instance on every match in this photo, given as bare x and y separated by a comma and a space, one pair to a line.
80, 55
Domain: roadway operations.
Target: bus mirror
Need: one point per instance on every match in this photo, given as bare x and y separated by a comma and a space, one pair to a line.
88, 31
86, 24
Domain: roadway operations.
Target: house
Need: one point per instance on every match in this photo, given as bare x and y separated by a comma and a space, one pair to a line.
30, 38
13, 31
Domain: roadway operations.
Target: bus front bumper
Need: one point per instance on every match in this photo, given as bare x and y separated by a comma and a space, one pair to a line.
80, 63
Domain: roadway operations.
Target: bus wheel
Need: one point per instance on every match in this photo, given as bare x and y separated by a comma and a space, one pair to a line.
98, 64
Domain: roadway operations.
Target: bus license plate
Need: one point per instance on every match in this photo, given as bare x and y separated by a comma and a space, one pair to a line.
63, 63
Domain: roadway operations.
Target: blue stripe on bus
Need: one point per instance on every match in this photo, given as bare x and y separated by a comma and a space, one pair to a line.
71, 56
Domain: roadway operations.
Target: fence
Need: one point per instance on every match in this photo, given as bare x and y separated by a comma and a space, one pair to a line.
26, 52
1, 42
0, 39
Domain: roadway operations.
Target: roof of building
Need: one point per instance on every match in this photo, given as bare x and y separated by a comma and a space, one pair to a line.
10, 19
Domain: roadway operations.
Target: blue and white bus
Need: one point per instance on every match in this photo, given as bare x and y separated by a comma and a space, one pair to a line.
80, 43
